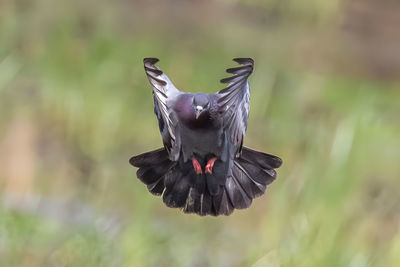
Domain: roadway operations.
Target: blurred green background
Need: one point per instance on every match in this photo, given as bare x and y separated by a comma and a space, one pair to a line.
75, 105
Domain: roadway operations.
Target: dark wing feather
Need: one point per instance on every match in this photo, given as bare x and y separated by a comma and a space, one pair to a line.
233, 102
164, 93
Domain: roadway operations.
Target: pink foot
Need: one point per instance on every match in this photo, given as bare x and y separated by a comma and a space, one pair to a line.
210, 165
196, 166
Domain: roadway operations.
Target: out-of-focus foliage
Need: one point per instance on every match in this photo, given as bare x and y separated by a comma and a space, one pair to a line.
75, 105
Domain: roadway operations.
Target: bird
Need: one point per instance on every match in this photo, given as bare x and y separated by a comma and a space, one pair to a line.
203, 167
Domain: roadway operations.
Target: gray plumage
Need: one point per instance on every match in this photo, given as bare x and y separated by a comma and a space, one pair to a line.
204, 131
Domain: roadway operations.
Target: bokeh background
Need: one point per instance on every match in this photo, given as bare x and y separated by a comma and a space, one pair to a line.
75, 105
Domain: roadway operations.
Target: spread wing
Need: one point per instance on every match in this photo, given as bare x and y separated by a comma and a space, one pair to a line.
164, 93
233, 103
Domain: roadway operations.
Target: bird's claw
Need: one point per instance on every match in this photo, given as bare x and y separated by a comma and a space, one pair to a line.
196, 166
210, 165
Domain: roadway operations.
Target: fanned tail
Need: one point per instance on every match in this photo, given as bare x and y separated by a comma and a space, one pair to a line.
250, 175
180, 185
153, 166
207, 194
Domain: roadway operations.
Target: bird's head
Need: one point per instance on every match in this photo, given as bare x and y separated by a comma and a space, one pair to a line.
201, 104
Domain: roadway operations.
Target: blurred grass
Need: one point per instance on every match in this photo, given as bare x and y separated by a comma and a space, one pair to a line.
75, 105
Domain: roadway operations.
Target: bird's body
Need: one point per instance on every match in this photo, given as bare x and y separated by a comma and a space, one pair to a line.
201, 136
204, 167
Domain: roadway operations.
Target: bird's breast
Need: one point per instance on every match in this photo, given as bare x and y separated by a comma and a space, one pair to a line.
187, 115
203, 122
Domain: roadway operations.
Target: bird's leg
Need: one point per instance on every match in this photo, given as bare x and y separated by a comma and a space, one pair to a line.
196, 166
210, 165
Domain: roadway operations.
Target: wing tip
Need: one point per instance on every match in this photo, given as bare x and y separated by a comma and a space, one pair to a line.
150, 60
244, 60
246, 68
225, 80
152, 71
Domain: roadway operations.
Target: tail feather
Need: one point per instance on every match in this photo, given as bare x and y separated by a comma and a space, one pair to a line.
222, 204
252, 188
187, 190
264, 160
206, 205
239, 198
149, 158
157, 187
254, 172
251, 173
207, 194
176, 192
153, 166
151, 174
193, 202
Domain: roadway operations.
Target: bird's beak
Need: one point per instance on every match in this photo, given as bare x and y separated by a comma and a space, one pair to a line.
198, 114
199, 109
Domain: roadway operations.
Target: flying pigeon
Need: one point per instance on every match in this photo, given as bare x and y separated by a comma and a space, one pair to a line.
203, 167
